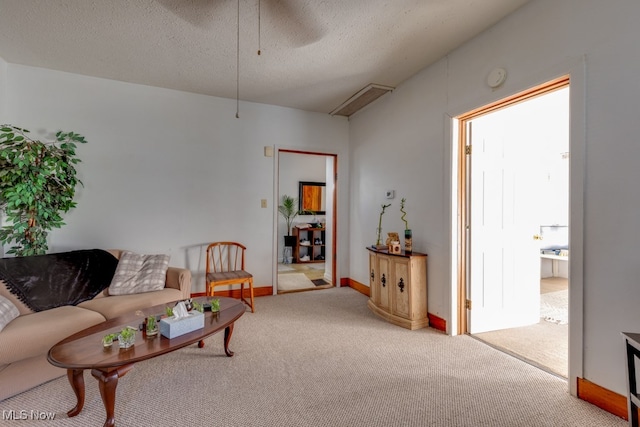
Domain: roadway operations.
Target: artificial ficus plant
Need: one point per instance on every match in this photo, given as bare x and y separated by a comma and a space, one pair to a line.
37, 185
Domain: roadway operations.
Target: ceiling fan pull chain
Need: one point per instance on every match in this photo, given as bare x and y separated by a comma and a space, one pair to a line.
259, 31
238, 64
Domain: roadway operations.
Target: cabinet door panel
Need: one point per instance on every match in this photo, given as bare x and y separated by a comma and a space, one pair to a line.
401, 282
374, 288
384, 282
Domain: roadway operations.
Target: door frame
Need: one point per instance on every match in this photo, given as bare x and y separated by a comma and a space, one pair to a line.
576, 69
334, 211
464, 192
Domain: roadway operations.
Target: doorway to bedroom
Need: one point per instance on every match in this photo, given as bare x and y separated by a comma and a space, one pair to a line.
306, 241
516, 239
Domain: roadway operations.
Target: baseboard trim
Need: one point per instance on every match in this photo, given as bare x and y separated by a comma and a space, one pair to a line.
437, 323
262, 291
363, 289
603, 398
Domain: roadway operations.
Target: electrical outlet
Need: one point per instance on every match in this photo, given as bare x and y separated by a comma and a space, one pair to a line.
263, 203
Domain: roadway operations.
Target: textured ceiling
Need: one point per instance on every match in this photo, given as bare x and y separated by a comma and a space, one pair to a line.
315, 54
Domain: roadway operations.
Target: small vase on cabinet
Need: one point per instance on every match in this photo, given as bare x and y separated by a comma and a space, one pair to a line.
408, 244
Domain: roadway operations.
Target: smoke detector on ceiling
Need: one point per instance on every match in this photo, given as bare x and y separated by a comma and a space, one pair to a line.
361, 99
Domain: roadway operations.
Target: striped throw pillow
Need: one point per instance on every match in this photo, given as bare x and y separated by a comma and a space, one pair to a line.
8, 312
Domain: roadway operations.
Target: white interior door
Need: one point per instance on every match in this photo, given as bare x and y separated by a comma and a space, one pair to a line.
504, 257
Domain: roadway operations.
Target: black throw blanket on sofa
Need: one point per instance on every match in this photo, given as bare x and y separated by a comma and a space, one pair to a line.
53, 280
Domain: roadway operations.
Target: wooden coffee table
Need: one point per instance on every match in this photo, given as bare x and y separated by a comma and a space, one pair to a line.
84, 349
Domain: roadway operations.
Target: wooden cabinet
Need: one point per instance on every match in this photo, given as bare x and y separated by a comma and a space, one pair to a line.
310, 245
398, 288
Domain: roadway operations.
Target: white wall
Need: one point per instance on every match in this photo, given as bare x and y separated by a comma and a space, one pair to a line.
3, 87
167, 171
402, 142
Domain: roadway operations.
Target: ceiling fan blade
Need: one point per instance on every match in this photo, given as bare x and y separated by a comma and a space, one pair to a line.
294, 20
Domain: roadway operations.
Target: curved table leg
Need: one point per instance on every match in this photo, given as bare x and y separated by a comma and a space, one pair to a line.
227, 337
107, 382
76, 379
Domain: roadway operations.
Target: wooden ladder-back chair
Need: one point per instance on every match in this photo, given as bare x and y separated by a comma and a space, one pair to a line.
225, 266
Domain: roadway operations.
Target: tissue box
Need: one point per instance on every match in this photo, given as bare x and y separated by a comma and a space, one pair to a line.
171, 327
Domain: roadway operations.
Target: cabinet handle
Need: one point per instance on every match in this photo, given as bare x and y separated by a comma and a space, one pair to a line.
373, 276
401, 285
383, 280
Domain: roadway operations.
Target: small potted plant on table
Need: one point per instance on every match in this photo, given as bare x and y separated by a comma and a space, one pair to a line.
152, 326
127, 337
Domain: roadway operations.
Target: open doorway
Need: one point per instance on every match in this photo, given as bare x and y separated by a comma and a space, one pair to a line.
516, 210
306, 241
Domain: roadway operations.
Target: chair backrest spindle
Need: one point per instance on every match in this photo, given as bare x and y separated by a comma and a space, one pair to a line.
224, 257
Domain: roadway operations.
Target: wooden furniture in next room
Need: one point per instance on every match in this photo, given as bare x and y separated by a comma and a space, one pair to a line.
84, 351
398, 286
225, 266
309, 244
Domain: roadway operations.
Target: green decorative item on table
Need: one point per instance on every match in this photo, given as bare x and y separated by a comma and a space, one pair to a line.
152, 326
107, 340
408, 244
127, 337
168, 311
197, 306
37, 185
215, 305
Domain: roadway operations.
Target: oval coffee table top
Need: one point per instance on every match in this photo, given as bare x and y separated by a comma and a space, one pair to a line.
84, 350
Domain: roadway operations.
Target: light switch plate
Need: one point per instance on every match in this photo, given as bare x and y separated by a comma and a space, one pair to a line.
263, 203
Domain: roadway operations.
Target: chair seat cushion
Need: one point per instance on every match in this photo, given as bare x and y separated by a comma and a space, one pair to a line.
229, 276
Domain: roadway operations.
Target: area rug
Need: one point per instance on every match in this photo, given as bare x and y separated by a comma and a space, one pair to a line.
284, 267
320, 282
554, 307
294, 282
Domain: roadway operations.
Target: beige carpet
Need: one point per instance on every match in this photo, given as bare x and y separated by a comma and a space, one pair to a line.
545, 344
323, 359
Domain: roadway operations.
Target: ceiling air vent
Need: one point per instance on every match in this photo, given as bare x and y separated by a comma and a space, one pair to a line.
361, 99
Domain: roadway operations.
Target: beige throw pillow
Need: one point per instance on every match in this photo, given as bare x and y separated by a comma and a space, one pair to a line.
139, 273
8, 312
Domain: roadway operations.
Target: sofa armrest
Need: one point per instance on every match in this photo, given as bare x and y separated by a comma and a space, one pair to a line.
179, 278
